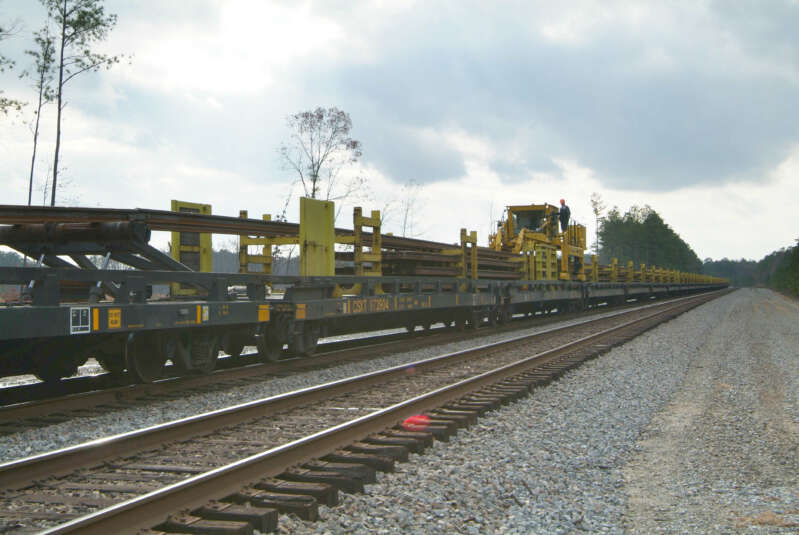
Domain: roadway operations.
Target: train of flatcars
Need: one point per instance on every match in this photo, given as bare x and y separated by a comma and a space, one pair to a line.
71, 307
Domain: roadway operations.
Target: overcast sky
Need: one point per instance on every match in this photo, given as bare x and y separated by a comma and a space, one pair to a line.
690, 107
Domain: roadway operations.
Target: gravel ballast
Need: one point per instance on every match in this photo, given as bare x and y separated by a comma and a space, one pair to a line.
690, 428
77, 431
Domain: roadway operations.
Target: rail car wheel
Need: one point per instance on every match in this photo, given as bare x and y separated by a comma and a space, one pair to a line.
493, 317
145, 358
505, 315
204, 352
51, 370
270, 347
180, 350
475, 319
112, 363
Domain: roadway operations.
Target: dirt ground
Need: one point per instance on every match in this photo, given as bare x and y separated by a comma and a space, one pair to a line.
721, 457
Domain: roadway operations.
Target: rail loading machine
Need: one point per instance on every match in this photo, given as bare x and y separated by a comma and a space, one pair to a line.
70, 311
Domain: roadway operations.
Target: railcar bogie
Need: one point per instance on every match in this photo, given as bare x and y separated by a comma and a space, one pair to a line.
304, 338
205, 351
145, 357
56, 362
269, 342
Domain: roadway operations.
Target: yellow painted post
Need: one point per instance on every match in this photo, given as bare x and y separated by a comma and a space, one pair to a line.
375, 256
564, 261
317, 238
192, 249
473, 252
581, 272
529, 265
357, 239
264, 258
243, 262
468, 253
594, 268
614, 270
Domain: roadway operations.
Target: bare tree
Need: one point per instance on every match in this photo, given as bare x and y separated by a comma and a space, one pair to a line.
44, 58
597, 206
64, 187
6, 104
409, 207
80, 24
319, 148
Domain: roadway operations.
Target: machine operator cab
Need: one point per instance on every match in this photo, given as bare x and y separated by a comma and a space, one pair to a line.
533, 229
527, 222
539, 219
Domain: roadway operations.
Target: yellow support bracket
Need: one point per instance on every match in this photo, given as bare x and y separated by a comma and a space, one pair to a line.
263, 259
594, 268
468, 254
192, 249
367, 263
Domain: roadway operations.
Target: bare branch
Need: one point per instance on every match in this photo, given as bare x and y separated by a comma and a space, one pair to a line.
320, 146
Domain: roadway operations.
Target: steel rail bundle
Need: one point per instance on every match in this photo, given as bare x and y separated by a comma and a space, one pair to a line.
71, 310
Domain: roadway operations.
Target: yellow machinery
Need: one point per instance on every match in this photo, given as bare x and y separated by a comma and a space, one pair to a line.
533, 230
528, 245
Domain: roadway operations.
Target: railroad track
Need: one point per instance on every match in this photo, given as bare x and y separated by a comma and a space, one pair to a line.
40, 405
237, 468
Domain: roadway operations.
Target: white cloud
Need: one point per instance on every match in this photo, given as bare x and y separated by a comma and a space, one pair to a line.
519, 104
248, 46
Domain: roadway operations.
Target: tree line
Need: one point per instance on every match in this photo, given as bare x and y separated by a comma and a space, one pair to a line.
778, 270
641, 235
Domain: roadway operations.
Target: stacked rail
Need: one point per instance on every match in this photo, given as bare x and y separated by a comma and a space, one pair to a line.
34, 231
71, 309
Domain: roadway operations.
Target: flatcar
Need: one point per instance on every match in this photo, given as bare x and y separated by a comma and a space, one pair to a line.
71, 306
